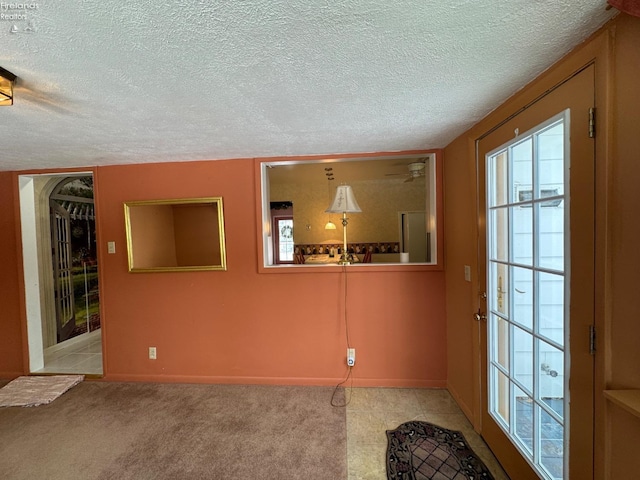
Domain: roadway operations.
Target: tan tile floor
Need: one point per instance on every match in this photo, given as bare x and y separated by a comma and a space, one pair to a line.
83, 356
372, 411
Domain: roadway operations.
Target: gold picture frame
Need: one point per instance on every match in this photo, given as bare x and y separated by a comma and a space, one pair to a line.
175, 235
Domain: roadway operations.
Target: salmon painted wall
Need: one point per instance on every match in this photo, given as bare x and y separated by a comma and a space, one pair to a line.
460, 233
617, 58
10, 298
241, 326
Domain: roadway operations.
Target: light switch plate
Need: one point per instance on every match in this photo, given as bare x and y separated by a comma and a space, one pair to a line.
111, 247
467, 273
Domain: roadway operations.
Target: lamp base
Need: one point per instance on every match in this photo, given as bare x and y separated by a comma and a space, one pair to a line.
346, 259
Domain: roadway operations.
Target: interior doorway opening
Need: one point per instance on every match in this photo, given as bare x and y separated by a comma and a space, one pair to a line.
60, 264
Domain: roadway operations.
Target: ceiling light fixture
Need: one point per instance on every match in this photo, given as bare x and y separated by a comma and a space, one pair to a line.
329, 225
6, 87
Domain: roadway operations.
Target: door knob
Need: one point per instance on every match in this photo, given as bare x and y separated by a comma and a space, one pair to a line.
479, 316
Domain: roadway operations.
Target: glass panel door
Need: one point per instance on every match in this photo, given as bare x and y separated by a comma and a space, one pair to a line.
527, 245
62, 271
284, 239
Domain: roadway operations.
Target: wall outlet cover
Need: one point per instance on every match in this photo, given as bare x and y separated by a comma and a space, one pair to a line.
351, 356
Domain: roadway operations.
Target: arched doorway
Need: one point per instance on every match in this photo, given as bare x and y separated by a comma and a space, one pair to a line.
61, 273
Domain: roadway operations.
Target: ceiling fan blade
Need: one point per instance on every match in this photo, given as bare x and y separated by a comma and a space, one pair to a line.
410, 179
25, 91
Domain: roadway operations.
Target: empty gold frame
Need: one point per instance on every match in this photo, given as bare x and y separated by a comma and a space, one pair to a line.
175, 235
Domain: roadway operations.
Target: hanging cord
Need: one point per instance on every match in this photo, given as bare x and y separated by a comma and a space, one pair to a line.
349, 368
347, 398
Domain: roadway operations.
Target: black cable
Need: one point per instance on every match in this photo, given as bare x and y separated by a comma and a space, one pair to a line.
346, 318
335, 390
346, 328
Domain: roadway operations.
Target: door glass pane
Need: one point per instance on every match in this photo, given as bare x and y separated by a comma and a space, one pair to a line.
522, 296
523, 358
501, 395
523, 418
551, 445
551, 160
521, 232
551, 377
500, 331
498, 284
551, 235
499, 248
550, 306
498, 172
521, 155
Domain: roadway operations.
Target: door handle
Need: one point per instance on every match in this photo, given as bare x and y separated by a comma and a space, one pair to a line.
479, 316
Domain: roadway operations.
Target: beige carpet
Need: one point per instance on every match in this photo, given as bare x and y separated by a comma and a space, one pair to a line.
101, 430
36, 390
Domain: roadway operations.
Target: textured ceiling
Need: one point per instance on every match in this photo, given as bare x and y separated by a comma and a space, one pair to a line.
110, 82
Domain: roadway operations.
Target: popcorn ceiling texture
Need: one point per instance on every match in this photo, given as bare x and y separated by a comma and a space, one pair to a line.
115, 82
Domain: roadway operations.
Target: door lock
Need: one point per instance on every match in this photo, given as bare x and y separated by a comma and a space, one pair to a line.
479, 316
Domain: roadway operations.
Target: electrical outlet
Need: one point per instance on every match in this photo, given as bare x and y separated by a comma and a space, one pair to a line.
152, 353
351, 356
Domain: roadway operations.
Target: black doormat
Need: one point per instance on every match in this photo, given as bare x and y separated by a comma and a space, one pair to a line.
423, 451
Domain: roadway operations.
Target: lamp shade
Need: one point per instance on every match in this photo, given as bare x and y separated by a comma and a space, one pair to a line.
344, 201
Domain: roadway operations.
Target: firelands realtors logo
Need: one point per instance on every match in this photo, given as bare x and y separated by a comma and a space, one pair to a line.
19, 14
